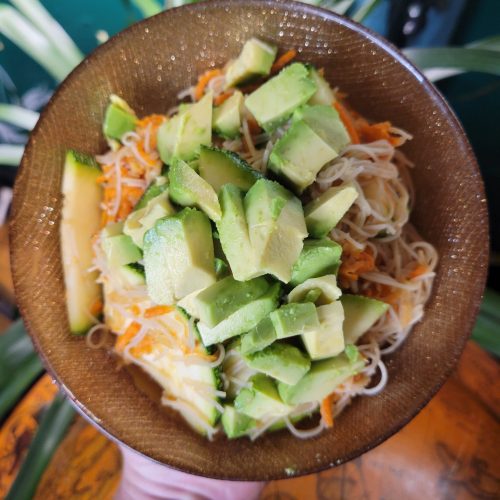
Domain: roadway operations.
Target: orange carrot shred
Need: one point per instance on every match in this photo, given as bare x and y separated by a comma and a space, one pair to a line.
377, 131
418, 271
223, 97
157, 311
96, 307
134, 309
326, 410
347, 121
203, 82
283, 60
131, 331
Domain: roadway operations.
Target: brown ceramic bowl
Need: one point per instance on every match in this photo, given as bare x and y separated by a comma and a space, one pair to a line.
147, 64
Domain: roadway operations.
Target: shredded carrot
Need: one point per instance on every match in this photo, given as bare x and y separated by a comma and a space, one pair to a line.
145, 346
157, 311
355, 264
326, 410
253, 126
134, 309
347, 121
101, 179
377, 131
96, 307
154, 119
203, 82
418, 271
283, 60
130, 333
223, 97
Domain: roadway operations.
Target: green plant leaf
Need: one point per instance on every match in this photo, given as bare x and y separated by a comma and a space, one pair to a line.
50, 433
148, 8
19, 116
11, 154
13, 355
487, 329
364, 11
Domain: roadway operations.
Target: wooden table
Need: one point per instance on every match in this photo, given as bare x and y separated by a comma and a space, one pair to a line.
451, 450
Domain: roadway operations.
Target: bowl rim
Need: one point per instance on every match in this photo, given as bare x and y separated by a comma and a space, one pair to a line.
430, 89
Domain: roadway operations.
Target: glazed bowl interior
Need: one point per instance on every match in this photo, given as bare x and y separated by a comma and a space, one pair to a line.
147, 65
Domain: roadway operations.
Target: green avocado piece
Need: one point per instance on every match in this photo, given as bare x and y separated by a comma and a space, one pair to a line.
258, 337
276, 228
242, 320
218, 301
260, 399
219, 167
295, 319
132, 275
361, 313
187, 188
299, 155
226, 119
234, 236
324, 213
256, 58
118, 119
120, 250
321, 380
275, 101
236, 424
327, 285
157, 187
179, 256
328, 340
281, 361
324, 93
326, 123
318, 257
182, 135
221, 268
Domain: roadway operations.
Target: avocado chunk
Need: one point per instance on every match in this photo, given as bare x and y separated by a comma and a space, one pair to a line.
219, 167
326, 285
281, 361
155, 189
260, 399
256, 58
324, 93
325, 122
328, 340
178, 256
221, 268
259, 337
233, 234
324, 213
140, 221
182, 135
299, 155
227, 117
188, 189
218, 301
236, 424
118, 119
131, 275
318, 257
276, 228
120, 250
275, 101
361, 313
321, 380
295, 319
243, 319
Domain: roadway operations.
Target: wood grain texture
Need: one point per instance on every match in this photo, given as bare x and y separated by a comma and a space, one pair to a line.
147, 64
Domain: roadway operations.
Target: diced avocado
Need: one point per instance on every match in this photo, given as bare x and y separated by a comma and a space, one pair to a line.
140, 221
182, 135
259, 337
281, 361
351, 351
275, 101
324, 213
312, 295
295, 319
260, 399
299, 155
328, 340
226, 119
219, 167
179, 256
221, 268
218, 301
324, 93
233, 234
242, 320
81, 217
120, 250
112, 229
325, 122
321, 380
361, 313
326, 284
118, 119
256, 58
155, 189
276, 228
236, 424
187, 188
131, 275
318, 257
